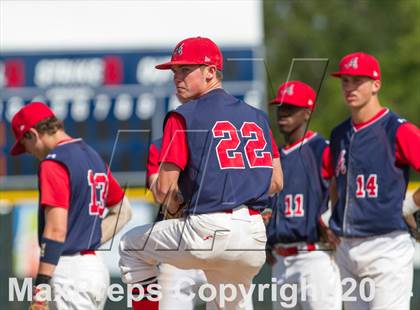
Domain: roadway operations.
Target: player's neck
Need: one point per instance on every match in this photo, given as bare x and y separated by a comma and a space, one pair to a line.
294, 136
51, 141
214, 84
366, 112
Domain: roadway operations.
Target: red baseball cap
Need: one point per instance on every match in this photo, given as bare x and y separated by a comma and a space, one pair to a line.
295, 93
195, 51
27, 117
361, 64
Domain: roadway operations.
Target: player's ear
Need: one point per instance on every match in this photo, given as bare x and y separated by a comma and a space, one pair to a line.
32, 133
210, 72
307, 114
376, 86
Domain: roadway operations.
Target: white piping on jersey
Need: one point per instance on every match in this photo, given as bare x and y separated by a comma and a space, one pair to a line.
370, 122
295, 147
70, 141
347, 190
346, 227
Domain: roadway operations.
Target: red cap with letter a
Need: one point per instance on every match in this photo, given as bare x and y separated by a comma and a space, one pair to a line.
295, 93
27, 117
360, 64
195, 51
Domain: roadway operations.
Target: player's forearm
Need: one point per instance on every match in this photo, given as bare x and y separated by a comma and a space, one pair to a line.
166, 184
416, 197
53, 238
411, 203
152, 182
117, 217
333, 192
276, 184
46, 269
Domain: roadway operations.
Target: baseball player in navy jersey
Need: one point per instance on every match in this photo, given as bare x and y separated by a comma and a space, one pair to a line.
176, 284
295, 251
219, 152
75, 188
371, 153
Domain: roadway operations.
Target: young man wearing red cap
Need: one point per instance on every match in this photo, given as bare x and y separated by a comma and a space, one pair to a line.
75, 186
296, 253
371, 154
219, 153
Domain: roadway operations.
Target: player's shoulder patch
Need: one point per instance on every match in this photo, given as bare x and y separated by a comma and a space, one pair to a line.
395, 120
51, 156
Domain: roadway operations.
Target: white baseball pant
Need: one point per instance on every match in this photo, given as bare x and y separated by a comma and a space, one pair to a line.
382, 269
80, 282
315, 277
228, 247
179, 286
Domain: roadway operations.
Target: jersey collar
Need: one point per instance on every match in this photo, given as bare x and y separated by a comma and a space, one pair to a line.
290, 148
377, 117
69, 140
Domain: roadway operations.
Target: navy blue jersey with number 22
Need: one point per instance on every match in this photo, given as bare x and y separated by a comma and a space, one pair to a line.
230, 154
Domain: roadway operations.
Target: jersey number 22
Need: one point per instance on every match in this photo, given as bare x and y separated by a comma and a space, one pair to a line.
256, 143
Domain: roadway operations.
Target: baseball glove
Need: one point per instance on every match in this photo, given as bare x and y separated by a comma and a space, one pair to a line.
167, 215
177, 203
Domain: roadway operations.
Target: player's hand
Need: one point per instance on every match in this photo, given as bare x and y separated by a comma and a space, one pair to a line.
266, 215
269, 257
37, 306
413, 221
329, 237
39, 298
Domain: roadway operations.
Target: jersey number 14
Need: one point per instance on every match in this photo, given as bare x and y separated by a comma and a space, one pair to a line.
368, 188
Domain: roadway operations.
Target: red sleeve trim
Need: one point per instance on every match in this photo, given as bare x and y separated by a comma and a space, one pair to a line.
408, 146
54, 181
174, 142
53, 204
327, 171
152, 161
115, 192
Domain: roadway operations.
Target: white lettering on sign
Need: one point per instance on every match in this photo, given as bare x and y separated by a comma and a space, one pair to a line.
147, 74
80, 107
14, 104
146, 105
102, 104
69, 72
79, 102
77, 97
123, 107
